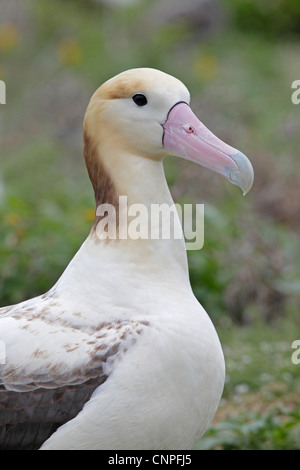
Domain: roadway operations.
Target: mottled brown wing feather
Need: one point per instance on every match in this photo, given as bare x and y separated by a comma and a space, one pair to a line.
35, 400
27, 419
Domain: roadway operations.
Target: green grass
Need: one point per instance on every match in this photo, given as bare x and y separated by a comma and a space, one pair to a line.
260, 408
277, 429
258, 356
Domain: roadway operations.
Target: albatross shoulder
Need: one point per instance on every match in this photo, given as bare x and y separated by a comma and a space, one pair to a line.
57, 364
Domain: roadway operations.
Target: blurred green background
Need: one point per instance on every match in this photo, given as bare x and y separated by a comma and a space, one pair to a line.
239, 59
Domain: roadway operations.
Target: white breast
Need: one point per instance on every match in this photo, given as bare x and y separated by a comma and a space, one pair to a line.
162, 395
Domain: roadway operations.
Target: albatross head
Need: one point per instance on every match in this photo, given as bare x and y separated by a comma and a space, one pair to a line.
146, 113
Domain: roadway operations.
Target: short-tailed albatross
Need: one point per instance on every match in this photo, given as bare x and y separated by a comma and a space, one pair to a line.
119, 354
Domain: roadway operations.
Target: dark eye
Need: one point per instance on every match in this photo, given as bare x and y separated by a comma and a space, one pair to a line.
139, 99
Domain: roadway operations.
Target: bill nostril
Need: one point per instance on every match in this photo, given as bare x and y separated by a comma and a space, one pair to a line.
188, 129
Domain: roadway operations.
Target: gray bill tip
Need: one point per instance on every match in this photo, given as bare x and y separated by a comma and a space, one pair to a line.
244, 175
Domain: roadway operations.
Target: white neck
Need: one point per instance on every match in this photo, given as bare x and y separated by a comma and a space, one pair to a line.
114, 266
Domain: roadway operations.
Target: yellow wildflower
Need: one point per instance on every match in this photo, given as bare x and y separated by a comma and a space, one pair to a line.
69, 52
206, 67
9, 36
89, 215
12, 219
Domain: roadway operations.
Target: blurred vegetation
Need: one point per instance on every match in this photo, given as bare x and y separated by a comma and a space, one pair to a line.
238, 58
277, 429
269, 18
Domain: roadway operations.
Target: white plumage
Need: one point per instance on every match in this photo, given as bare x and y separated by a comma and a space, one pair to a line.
119, 354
